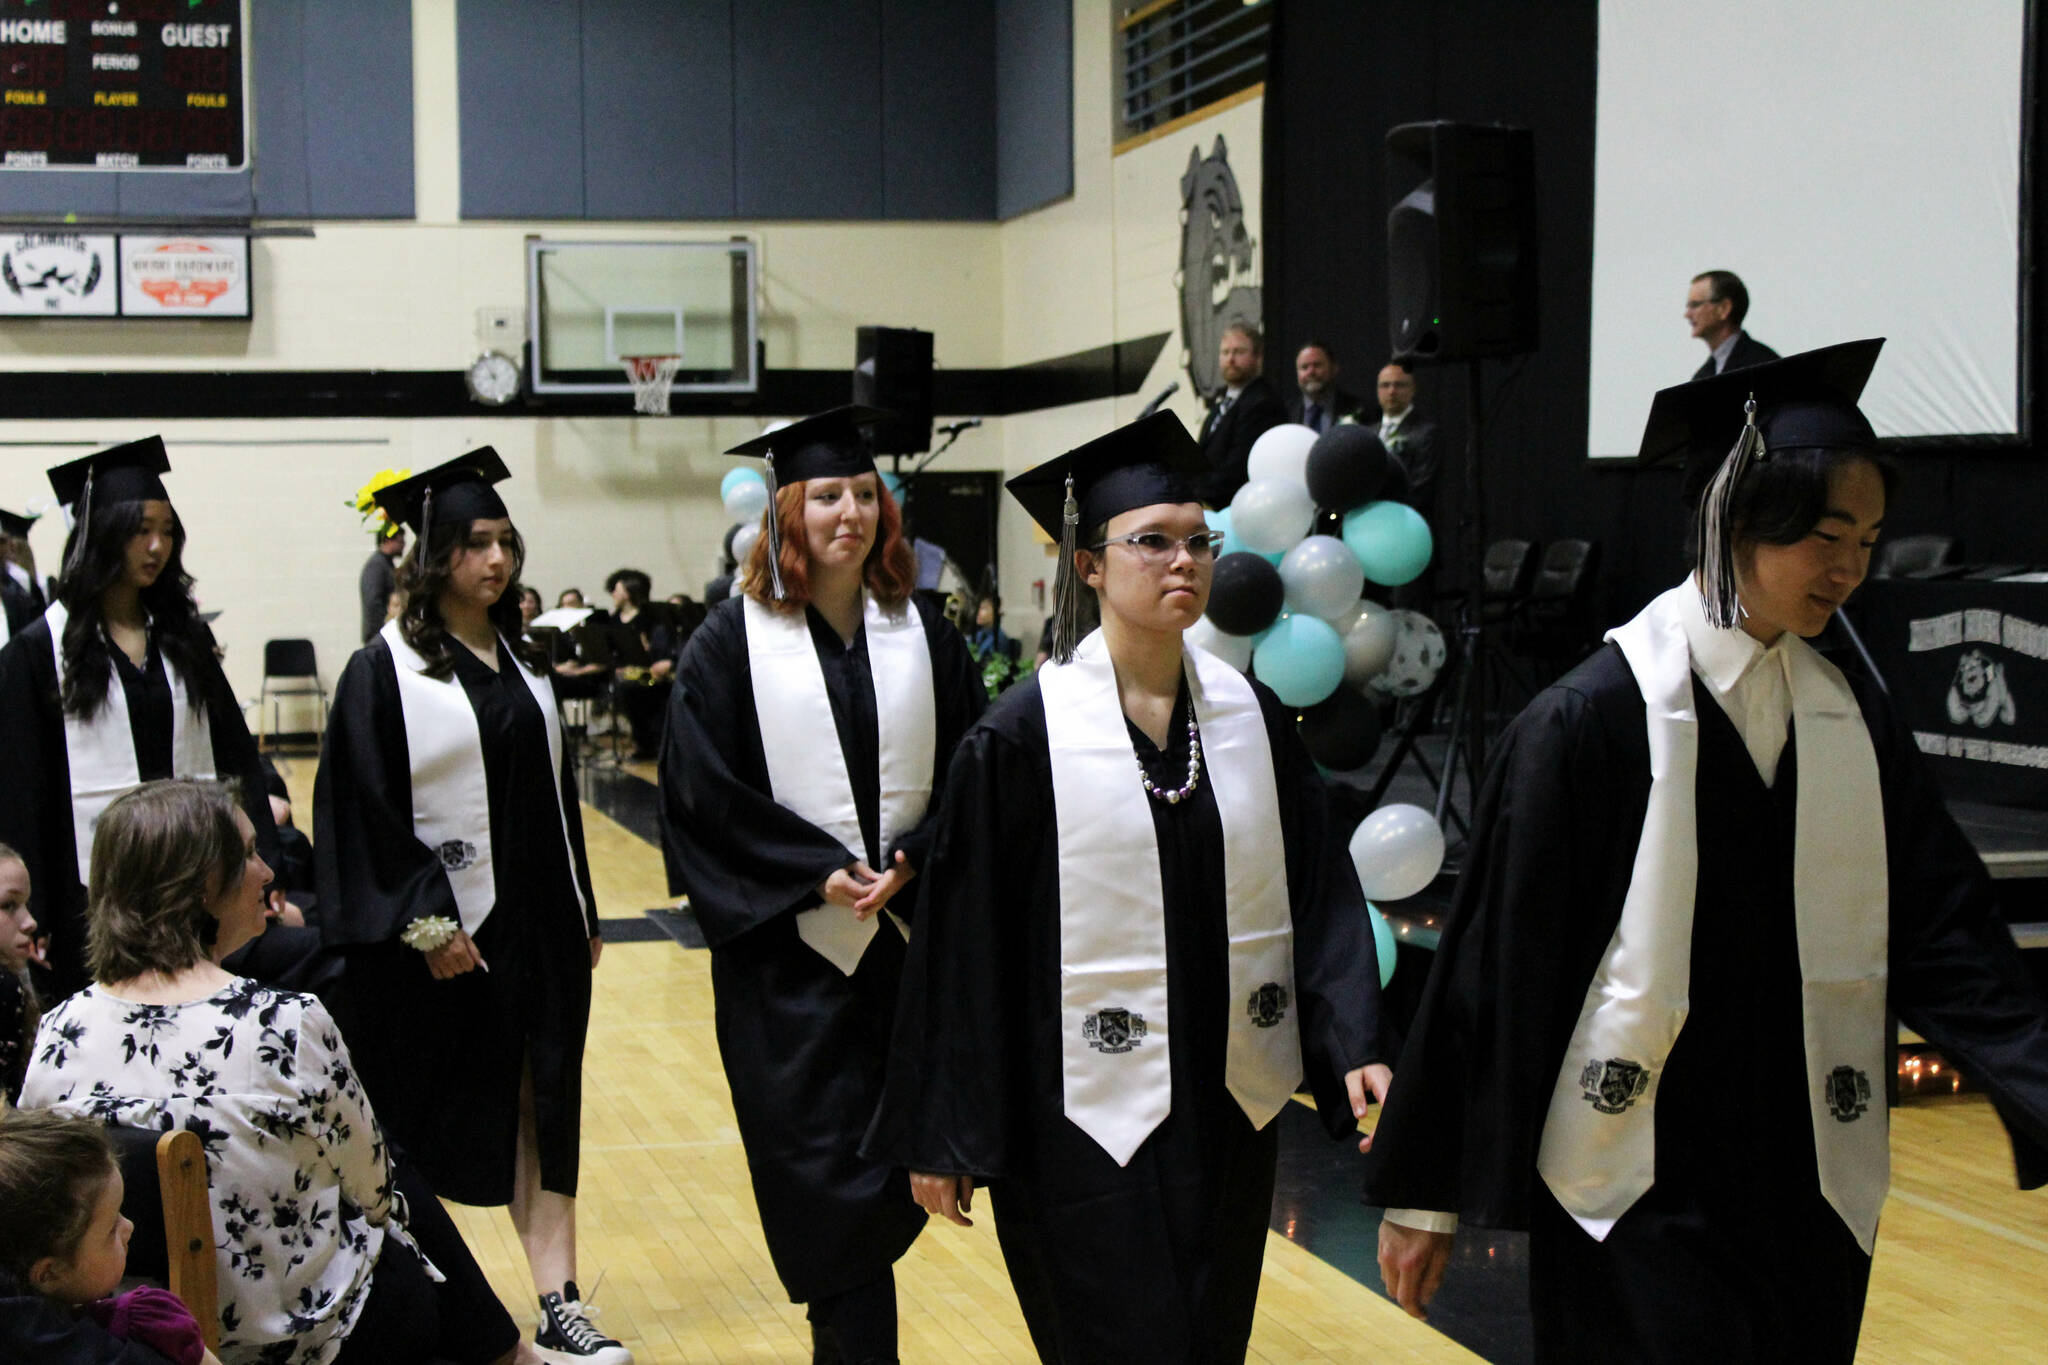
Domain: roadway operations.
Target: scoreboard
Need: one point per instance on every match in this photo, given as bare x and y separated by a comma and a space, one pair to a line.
123, 85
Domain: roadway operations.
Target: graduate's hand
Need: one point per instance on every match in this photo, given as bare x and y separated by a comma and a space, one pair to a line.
596, 950
456, 956
1365, 1085
847, 885
950, 1197
885, 887
1412, 1265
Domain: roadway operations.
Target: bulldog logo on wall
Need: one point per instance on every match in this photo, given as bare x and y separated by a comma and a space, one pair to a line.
1613, 1085
1979, 693
1848, 1093
456, 854
1113, 1030
1218, 277
1268, 1005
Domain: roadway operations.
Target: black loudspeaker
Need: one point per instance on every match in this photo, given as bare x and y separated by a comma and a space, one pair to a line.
894, 371
1461, 240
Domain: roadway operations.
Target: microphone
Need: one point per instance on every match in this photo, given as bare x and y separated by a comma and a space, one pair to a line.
955, 428
1169, 391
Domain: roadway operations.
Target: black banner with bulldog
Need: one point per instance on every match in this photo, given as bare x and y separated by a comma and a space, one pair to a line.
1967, 665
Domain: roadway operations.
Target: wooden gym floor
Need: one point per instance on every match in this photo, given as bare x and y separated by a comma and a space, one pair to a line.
666, 1214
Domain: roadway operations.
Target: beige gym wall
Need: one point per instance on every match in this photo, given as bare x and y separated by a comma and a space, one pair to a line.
275, 549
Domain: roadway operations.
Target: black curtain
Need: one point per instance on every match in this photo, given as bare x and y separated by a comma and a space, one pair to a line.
1340, 74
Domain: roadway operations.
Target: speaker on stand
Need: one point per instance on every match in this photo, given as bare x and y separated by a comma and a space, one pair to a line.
893, 371
1461, 287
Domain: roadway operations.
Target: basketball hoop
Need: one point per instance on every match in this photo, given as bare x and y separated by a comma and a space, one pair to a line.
651, 376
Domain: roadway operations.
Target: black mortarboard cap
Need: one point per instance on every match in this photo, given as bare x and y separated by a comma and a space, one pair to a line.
458, 491
1726, 425
14, 523
1153, 460
829, 445
125, 473
1807, 399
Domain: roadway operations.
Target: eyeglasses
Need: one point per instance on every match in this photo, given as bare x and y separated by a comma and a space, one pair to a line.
1157, 547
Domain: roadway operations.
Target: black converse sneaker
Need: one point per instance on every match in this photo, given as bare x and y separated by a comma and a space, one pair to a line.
566, 1336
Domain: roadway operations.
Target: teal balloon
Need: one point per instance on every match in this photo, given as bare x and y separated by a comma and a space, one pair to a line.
1382, 943
1391, 540
893, 484
1301, 659
1219, 520
733, 477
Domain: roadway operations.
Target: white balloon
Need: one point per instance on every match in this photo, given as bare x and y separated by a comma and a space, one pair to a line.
1419, 655
743, 542
1235, 650
1322, 577
1282, 453
1398, 850
746, 500
1269, 515
1369, 639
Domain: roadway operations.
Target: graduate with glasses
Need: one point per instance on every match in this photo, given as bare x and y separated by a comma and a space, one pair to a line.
1140, 935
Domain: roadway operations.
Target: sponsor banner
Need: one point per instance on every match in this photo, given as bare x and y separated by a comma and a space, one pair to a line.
54, 274
1967, 664
184, 277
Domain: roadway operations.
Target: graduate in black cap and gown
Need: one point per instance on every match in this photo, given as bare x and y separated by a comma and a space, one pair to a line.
807, 737
1140, 935
21, 597
116, 684
1703, 866
448, 852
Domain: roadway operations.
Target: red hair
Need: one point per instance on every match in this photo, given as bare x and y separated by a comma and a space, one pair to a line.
890, 571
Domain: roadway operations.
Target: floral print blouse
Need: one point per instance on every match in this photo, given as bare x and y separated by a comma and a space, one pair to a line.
299, 1180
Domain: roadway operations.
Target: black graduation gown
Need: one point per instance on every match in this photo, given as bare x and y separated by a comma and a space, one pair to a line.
441, 1059
21, 604
1158, 1260
804, 1045
1733, 1255
35, 775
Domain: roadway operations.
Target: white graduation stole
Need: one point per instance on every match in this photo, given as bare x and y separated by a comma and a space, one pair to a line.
1598, 1153
807, 773
1114, 1031
101, 750
451, 800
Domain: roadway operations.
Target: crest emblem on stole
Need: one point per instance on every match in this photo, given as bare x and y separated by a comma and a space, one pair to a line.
1268, 1005
1113, 1030
456, 854
1613, 1085
1848, 1093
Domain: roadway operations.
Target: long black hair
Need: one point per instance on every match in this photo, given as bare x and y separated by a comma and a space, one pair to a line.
426, 571
182, 638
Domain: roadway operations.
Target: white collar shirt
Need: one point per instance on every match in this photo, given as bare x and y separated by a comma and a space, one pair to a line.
1751, 682
1726, 349
1390, 425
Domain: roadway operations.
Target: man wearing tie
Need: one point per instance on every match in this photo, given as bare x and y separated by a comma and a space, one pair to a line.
1715, 306
1245, 410
1319, 404
1407, 437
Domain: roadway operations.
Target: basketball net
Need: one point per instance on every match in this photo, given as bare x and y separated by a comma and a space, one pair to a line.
651, 376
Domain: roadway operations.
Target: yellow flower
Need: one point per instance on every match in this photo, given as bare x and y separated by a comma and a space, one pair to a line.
365, 501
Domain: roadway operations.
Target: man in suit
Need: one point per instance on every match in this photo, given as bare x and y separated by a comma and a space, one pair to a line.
1715, 307
1317, 402
21, 597
379, 579
1408, 437
1245, 410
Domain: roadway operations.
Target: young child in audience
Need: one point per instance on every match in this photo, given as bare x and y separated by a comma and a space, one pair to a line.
63, 1238
18, 1007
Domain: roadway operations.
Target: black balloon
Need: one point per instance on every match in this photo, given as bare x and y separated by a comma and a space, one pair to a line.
1245, 594
1343, 732
1348, 467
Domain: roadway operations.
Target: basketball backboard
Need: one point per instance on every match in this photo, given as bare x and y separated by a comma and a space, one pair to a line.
595, 303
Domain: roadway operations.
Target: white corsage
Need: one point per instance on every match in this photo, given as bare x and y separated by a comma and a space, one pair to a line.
429, 932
